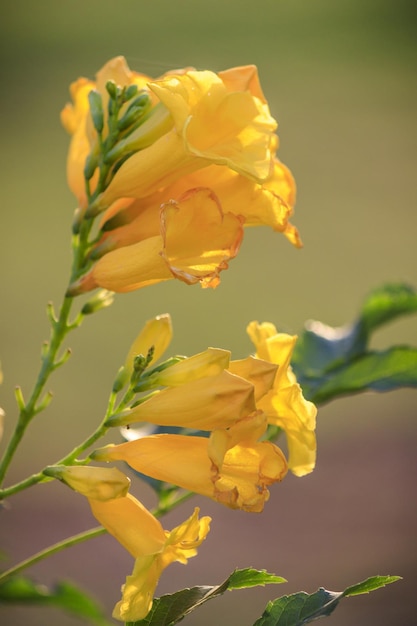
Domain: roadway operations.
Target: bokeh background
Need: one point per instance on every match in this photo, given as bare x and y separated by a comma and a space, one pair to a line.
340, 78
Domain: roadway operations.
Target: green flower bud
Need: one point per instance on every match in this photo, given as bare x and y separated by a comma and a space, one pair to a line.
101, 300
130, 92
96, 108
136, 111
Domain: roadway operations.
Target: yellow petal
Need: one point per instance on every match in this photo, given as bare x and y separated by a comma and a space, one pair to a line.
134, 527
232, 128
156, 333
257, 371
146, 171
285, 405
132, 267
205, 403
74, 119
246, 431
138, 590
199, 240
211, 362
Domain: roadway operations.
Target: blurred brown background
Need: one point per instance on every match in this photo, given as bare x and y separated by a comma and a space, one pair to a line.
340, 78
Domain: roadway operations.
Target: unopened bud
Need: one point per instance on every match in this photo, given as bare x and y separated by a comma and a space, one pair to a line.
136, 110
97, 483
111, 88
101, 300
96, 109
130, 92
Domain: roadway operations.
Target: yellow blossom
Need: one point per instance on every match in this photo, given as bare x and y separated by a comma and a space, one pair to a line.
196, 242
205, 403
176, 206
153, 549
180, 544
239, 482
137, 530
285, 405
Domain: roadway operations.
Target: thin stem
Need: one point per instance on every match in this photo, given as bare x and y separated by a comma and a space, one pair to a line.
59, 329
56, 547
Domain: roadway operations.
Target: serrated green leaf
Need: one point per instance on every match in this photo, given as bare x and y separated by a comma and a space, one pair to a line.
370, 584
245, 578
300, 608
374, 371
170, 609
65, 595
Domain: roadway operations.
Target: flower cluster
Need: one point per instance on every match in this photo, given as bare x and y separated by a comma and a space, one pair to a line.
223, 408
174, 168
230, 401
190, 162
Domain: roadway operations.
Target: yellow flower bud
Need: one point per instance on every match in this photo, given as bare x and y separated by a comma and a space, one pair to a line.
97, 483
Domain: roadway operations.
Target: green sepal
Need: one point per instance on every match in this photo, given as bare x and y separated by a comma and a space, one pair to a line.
64, 595
300, 608
172, 608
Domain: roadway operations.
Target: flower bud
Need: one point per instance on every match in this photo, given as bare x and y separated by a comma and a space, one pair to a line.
96, 109
97, 483
101, 300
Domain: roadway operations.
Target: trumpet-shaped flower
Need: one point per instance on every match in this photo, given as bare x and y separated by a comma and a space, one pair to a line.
285, 405
199, 166
206, 403
138, 531
240, 482
195, 243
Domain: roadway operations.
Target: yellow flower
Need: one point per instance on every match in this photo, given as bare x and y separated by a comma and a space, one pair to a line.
214, 120
195, 242
200, 166
240, 482
205, 403
180, 544
137, 530
285, 405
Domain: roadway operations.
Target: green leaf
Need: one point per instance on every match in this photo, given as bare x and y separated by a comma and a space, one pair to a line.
330, 362
386, 303
172, 608
300, 608
370, 584
65, 595
244, 578
374, 371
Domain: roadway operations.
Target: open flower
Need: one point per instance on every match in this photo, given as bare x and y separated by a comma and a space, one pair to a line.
199, 166
137, 530
285, 405
240, 482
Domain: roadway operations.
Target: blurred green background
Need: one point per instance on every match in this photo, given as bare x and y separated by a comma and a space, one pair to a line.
340, 79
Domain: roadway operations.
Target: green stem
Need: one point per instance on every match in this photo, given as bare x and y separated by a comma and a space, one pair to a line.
56, 547
60, 328
66, 460
160, 510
